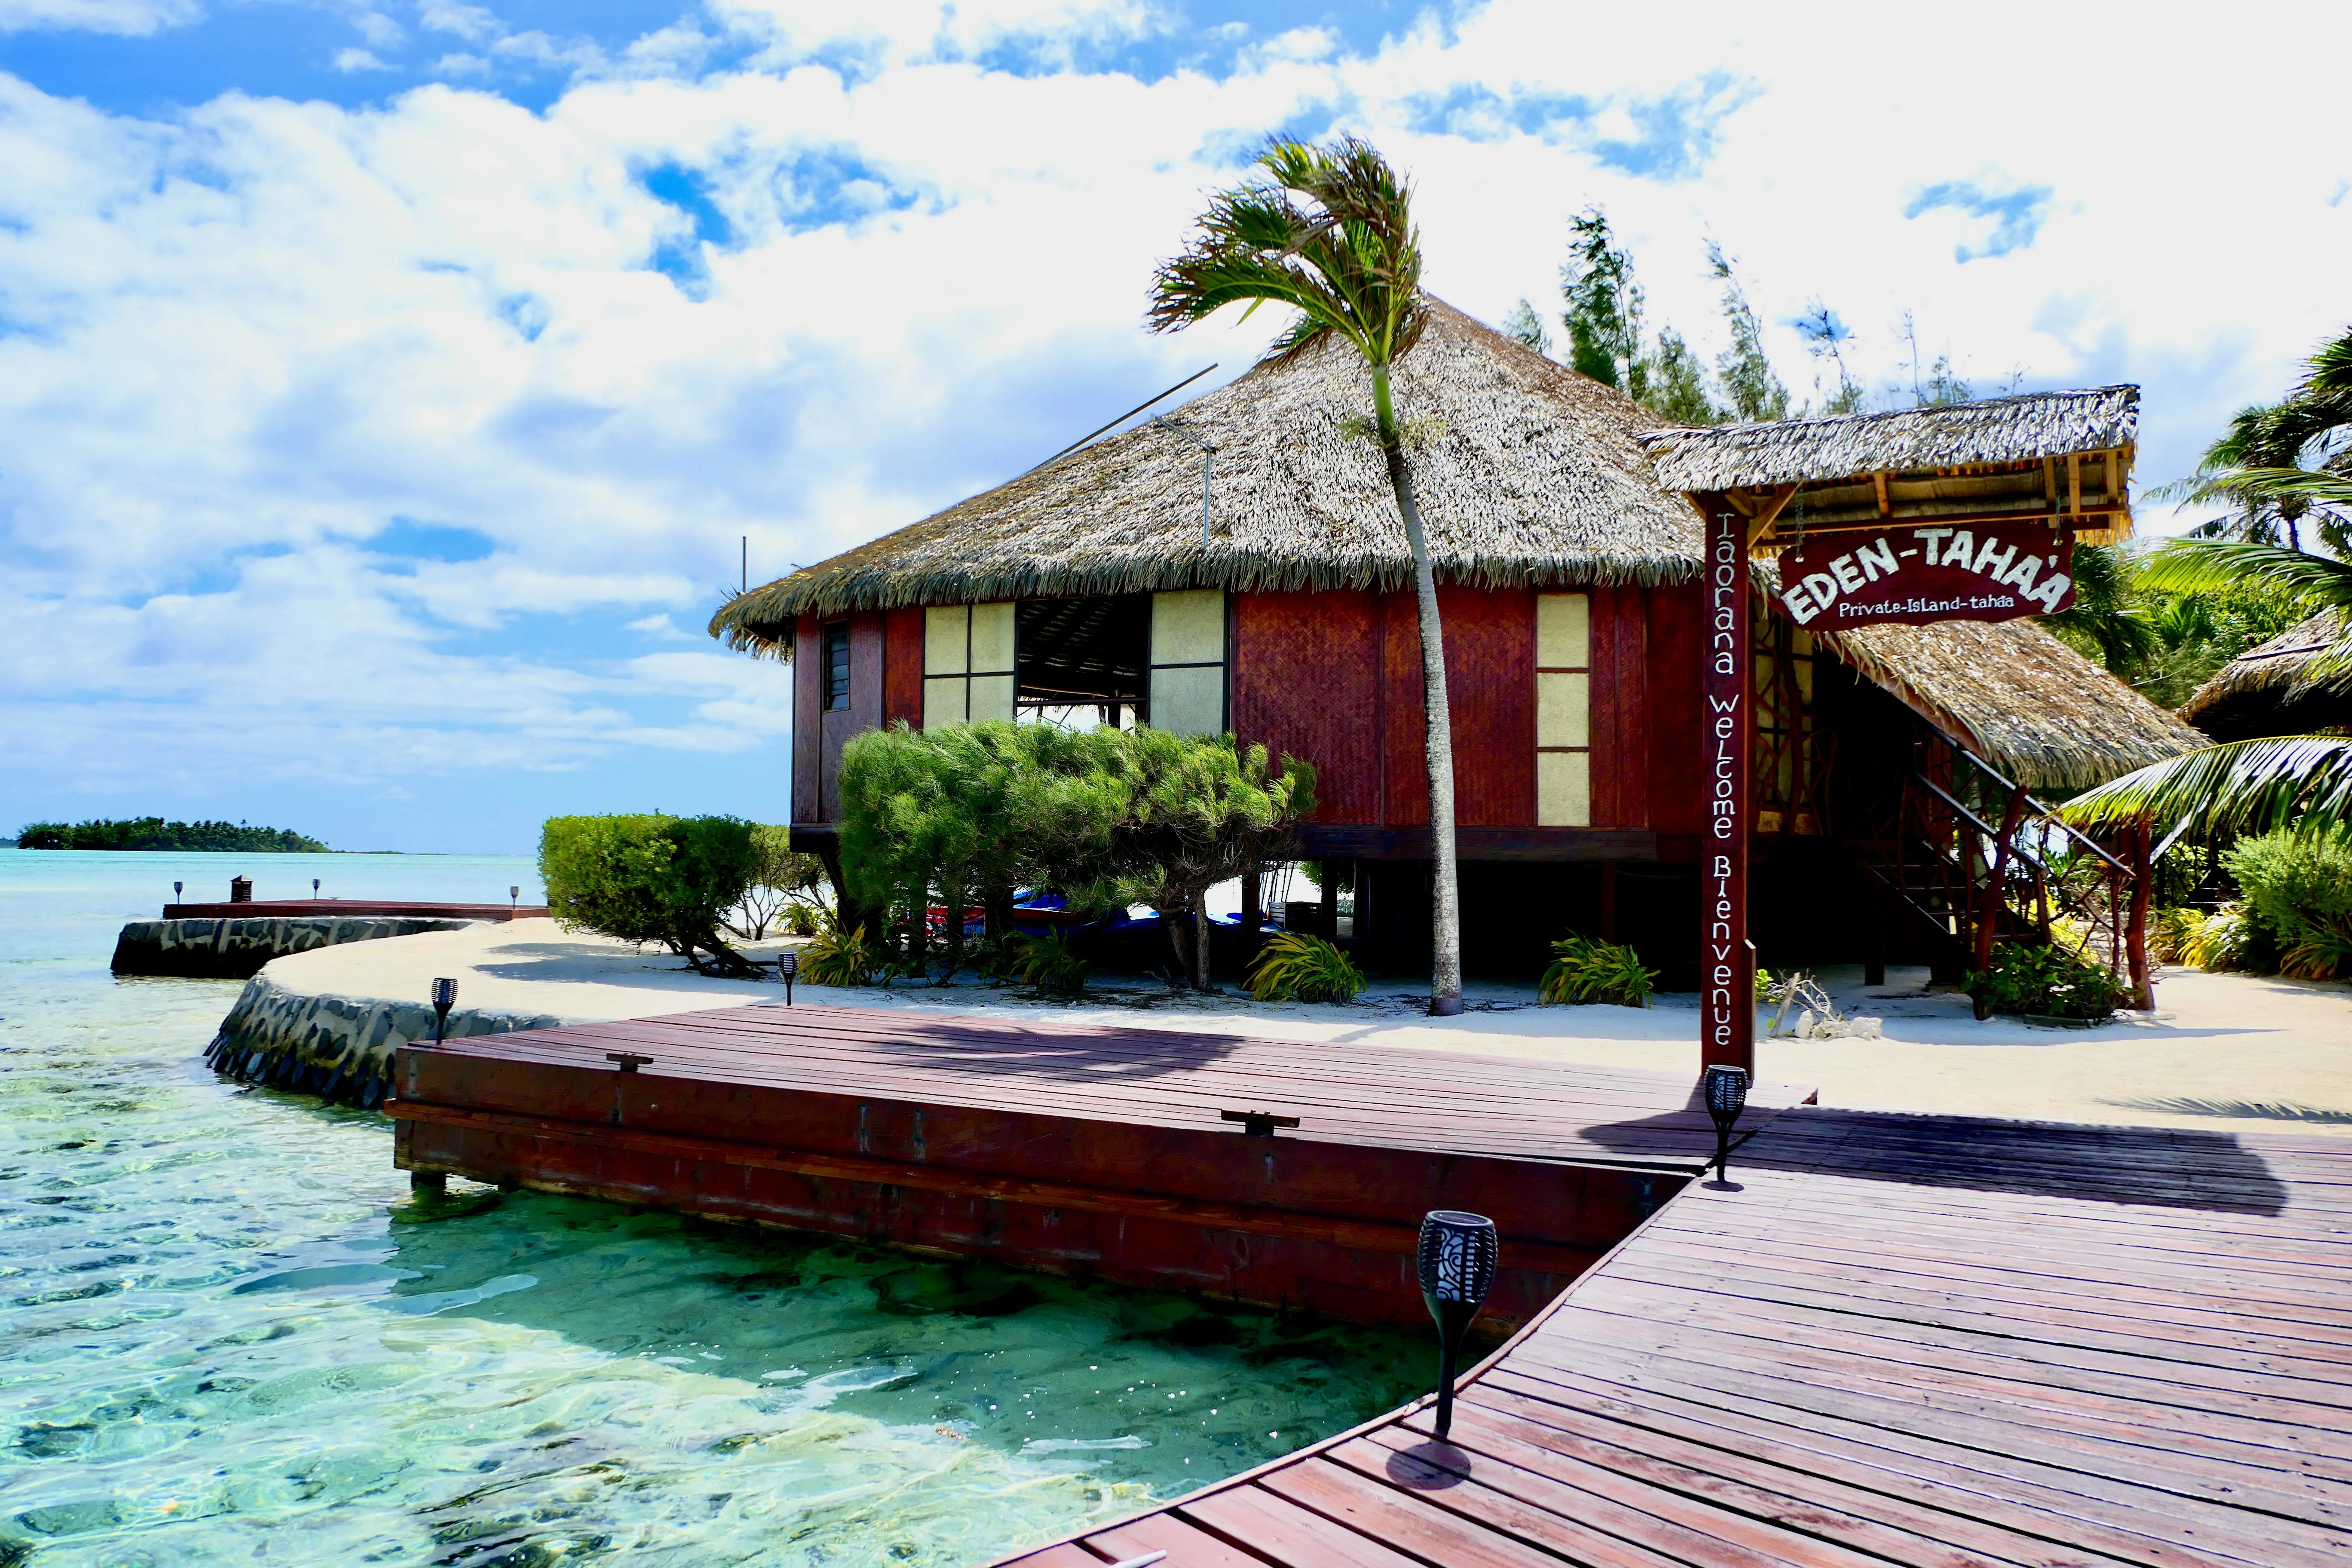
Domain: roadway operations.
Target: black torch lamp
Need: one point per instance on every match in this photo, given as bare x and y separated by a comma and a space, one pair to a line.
514, 899
444, 997
1456, 1262
788, 964
175, 890
314, 887
1726, 1096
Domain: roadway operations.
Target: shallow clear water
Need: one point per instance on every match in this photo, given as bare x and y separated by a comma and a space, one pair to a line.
224, 1337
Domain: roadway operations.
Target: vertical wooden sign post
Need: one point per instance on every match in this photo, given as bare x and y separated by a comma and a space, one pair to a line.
1726, 966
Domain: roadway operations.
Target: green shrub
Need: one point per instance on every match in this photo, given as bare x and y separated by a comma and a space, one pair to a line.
2298, 888
2226, 939
1047, 965
651, 879
836, 957
1582, 970
2170, 933
2047, 981
1296, 968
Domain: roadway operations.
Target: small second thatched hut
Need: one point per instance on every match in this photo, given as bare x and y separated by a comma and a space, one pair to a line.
2270, 690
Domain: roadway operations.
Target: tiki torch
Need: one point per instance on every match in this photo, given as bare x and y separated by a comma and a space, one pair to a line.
444, 997
1726, 1096
1457, 1269
788, 964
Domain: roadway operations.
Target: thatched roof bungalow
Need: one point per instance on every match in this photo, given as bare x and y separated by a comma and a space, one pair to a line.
1568, 577
2269, 690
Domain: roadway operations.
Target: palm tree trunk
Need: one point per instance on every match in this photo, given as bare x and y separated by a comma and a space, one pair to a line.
1445, 887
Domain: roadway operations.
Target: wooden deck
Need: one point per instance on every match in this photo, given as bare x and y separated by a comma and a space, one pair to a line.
1890, 1340
1066, 1147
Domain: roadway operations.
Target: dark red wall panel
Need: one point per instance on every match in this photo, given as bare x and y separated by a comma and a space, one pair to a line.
902, 668
1304, 681
808, 661
1405, 798
1675, 638
1490, 662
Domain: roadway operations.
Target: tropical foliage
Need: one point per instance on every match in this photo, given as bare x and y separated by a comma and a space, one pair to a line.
836, 955
1048, 965
1329, 232
1293, 967
2298, 891
2251, 786
1582, 970
2044, 980
154, 833
652, 878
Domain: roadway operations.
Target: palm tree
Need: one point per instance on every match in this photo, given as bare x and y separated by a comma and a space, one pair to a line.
2247, 787
2258, 469
1328, 231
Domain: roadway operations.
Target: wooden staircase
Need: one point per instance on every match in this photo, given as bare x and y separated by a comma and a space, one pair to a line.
1962, 858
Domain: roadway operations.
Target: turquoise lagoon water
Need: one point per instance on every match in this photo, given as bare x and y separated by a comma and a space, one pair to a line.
223, 1339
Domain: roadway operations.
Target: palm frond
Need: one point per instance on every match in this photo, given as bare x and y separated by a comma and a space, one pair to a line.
2218, 565
2246, 786
1325, 230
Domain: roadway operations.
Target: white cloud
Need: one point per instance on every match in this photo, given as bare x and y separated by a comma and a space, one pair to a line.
238, 343
358, 59
131, 18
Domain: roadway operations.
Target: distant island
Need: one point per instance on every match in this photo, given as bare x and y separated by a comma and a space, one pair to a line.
154, 833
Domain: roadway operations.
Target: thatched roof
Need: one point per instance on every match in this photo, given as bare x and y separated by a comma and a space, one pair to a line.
2031, 425
2019, 697
1525, 472
2265, 690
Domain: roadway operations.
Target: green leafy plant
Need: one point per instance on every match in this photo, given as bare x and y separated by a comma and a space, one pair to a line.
2045, 981
652, 878
2171, 932
2226, 939
1583, 970
1047, 965
837, 956
2298, 886
1293, 967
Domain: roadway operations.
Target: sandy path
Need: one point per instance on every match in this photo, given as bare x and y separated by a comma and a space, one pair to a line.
2223, 1052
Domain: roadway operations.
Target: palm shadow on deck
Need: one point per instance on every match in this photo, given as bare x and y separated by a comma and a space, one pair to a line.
2160, 1167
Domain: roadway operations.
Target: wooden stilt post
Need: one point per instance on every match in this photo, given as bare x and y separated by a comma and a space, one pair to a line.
1727, 958
2143, 979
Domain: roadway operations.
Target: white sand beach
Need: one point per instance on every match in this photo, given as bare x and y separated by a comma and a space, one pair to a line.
2221, 1052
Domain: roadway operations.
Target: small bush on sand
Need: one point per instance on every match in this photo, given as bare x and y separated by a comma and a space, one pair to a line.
1047, 965
836, 957
2046, 981
1582, 970
1296, 968
652, 878
782, 879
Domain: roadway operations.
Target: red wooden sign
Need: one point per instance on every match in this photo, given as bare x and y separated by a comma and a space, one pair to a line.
1923, 573
1726, 967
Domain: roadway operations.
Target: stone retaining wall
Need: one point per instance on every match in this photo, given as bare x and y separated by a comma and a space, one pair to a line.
339, 1047
234, 949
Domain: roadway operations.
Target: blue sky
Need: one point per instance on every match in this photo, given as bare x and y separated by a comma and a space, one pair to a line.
385, 388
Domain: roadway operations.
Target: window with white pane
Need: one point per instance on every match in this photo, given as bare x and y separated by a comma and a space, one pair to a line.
1564, 710
968, 663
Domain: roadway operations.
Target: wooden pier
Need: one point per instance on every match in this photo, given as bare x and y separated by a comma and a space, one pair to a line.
1917, 1340
1076, 1149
